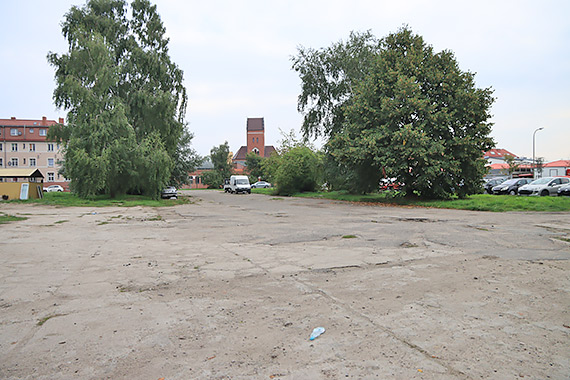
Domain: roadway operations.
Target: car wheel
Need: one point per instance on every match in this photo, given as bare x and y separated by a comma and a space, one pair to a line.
512, 192
544, 193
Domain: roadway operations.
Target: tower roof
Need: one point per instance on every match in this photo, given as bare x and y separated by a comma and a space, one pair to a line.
255, 124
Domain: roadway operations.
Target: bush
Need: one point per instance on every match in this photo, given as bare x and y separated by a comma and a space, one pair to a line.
298, 171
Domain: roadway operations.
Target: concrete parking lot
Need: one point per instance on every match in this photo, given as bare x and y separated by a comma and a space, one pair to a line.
231, 286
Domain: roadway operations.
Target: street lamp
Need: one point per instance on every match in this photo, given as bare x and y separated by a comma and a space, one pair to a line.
533, 159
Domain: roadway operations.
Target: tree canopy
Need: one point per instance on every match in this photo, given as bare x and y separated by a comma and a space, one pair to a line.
409, 113
125, 98
221, 159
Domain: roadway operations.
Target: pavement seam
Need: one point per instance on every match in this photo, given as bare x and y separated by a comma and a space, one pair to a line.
427, 355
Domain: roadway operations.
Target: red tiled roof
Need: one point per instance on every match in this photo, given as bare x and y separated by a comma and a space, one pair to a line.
559, 163
255, 124
241, 153
13, 122
268, 150
499, 153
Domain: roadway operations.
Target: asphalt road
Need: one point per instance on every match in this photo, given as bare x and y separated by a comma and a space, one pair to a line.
231, 286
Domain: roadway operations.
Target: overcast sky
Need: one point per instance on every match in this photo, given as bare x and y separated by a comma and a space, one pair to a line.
236, 59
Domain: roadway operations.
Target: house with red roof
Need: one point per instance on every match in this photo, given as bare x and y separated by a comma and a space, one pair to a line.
24, 145
497, 156
556, 168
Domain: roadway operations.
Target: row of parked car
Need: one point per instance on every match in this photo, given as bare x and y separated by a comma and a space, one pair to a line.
526, 186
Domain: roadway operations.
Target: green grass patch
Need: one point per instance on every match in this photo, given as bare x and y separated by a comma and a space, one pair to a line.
62, 199
349, 237
5, 218
268, 191
477, 202
45, 319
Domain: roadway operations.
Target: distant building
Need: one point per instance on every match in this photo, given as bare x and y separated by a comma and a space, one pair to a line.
24, 144
497, 156
255, 140
498, 166
556, 168
196, 181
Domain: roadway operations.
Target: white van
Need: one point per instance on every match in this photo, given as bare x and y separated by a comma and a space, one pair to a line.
239, 184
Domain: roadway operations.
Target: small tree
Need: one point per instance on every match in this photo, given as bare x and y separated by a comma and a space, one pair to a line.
254, 166
222, 166
513, 165
298, 171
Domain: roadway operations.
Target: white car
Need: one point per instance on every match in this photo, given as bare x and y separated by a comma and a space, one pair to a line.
261, 185
544, 186
53, 188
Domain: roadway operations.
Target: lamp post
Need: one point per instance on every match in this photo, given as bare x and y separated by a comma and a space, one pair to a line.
533, 159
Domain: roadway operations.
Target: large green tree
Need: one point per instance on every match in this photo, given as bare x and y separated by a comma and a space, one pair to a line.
125, 98
414, 115
328, 79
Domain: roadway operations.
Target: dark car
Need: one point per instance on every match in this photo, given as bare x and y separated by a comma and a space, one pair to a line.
564, 190
510, 186
492, 183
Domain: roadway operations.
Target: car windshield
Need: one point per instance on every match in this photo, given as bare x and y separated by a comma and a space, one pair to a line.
541, 181
510, 182
242, 181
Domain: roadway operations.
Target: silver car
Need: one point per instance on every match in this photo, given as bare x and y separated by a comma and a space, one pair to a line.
544, 186
169, 192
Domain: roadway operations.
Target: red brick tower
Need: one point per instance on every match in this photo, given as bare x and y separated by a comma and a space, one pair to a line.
256, 136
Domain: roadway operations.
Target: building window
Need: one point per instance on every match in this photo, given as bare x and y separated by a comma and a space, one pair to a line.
51, 177
32, 147
257, 139
14, 162
1, 162
23, 161
50, 162
31, 130
43, 132
1, 147
32, 162
14, 147
14, 132
50, 147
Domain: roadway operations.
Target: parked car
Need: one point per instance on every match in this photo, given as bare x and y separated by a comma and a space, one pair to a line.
261, 184
544, 186
510, 186
53, 188
492, 183
564, 190
169, 192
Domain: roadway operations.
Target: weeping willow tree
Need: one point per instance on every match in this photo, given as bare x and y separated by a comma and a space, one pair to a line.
125, 99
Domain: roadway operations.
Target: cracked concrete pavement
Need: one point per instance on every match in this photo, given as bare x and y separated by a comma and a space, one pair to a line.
231, 286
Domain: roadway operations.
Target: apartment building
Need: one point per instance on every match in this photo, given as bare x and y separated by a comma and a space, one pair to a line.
24, 144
